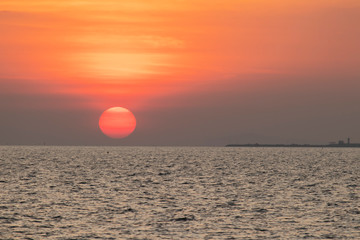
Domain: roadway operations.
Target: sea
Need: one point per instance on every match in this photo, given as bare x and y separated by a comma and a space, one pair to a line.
56, 192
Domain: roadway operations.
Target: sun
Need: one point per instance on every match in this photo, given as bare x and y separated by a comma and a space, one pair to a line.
117, 122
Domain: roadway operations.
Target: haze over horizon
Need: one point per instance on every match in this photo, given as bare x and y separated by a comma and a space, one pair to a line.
192, 72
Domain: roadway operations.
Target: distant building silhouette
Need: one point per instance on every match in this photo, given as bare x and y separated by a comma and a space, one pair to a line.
340, 143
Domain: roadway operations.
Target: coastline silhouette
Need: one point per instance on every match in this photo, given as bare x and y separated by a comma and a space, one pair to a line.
339, 144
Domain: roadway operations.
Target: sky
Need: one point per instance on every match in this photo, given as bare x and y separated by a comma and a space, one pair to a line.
202, 73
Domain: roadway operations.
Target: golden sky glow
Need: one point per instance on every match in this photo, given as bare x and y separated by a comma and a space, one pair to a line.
189, 70
111, 48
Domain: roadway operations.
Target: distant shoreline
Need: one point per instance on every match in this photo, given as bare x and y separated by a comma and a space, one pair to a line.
351, 145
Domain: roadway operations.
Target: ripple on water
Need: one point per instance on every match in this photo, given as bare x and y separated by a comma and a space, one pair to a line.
179, 193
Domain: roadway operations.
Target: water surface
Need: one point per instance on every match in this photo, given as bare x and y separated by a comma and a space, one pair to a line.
179, 193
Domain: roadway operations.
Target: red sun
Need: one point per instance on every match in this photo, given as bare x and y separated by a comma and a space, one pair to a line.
117, 122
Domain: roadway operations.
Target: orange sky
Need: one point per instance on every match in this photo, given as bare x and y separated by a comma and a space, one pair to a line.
133, 53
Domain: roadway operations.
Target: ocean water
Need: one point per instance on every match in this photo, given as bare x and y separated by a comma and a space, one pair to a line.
179, 193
